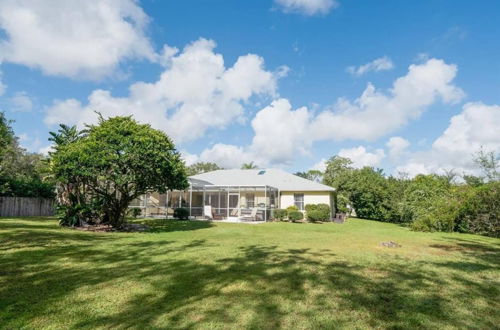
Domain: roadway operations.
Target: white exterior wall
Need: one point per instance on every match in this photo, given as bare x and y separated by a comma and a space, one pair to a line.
310, 197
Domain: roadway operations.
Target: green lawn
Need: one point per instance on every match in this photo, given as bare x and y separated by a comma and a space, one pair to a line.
274, 275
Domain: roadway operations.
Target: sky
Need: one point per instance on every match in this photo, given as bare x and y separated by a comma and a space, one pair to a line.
407, 86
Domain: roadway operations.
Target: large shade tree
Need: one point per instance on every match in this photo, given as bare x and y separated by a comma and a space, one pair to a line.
115, 162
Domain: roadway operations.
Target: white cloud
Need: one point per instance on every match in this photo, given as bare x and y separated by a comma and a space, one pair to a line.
282, 134
361, 157
307, 7
227, 156
45, 150
194, 93
477, 126
375, 113
379, 64
397, 147
78, 39
21, 102
320, 166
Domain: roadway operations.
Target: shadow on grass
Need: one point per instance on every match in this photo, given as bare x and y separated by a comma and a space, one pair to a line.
255, 286
168, 225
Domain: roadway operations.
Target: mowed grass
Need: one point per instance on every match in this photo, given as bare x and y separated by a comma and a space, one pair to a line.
220, 275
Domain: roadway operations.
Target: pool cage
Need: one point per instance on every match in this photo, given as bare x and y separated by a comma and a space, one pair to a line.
216, 202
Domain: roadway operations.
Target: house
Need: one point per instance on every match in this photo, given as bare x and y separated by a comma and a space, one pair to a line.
238, 194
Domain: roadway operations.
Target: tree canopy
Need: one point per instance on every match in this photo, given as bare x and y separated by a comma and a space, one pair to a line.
114, 162
202, 167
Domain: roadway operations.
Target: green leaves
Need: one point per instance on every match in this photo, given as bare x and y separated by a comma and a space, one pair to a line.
119, 159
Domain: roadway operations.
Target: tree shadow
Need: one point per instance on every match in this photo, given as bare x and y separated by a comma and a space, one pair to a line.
255, 286
168, 225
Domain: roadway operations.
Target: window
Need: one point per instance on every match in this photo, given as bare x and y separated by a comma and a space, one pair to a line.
298, 200
250, 200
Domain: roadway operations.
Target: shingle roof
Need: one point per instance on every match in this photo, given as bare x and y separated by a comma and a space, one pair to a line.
272, 177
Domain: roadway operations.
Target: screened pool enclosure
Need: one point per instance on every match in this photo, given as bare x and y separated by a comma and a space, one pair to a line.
206, 201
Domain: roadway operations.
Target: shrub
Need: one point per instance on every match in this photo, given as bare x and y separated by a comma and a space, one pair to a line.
181, 213
318, 212
292, 208
480, 214
440, 216
135, 212
279, 214
295, 216
310, 207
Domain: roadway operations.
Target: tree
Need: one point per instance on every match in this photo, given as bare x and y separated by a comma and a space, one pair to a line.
115, 162
489, 163
202, 167
6, 135
313, 175
338, 174
249, 166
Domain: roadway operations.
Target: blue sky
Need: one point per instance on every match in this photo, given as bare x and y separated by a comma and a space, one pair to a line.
408, 86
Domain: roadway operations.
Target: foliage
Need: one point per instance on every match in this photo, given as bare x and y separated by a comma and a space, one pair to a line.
135, 212
480, 213
113, 163
292, 208
6, 135
295, 216
313, 175
317, 212
181, 213
489, 163
202, 167
249, 166
22, 174
280, 214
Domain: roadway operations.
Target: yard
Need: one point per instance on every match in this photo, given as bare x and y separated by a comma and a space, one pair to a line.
274, 275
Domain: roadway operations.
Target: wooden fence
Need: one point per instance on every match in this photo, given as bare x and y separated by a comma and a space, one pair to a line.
26, 207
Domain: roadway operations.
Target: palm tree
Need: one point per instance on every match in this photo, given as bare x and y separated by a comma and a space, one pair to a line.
249, 166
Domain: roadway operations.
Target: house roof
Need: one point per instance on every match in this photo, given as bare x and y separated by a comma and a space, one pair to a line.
271, 177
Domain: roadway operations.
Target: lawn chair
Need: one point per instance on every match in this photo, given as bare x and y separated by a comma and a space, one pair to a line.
207, 212
251, 217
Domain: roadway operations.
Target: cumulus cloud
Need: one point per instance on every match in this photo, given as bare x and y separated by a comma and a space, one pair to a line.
3, 86
21, 102
194, 93
81, 39
320, 166
379, 64
397, 147
282, 133
476, 127
307, 7
361, 157
376, 113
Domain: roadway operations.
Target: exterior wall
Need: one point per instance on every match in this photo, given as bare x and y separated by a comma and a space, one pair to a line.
310, 197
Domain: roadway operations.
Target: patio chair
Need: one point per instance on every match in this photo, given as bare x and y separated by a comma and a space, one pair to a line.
234, 213
207, 212
252, 216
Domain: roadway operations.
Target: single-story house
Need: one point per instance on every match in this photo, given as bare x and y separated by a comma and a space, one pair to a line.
238, 194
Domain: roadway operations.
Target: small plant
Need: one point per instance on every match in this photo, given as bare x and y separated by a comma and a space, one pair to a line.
280, 214
292, 208
135, 212
295, 216
181, 213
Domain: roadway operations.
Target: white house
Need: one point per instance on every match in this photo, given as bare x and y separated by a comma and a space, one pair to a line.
247, 194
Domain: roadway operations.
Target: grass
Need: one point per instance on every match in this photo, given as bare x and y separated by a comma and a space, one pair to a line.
221, 275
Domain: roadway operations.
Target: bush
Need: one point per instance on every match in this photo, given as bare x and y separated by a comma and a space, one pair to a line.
317, 212
440, 216
135, 212
480, 214
181, 213
310, 207
279, 214
295, 216
292, 208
